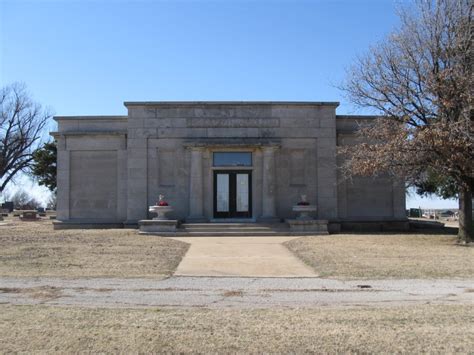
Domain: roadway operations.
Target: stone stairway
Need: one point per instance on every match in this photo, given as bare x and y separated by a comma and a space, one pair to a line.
237, 229
232, 229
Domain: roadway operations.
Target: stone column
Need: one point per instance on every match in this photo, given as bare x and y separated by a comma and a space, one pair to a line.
269, 185
196, 198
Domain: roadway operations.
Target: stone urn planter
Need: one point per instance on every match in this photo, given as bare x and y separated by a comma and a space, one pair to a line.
304, 209
161, 224
305, 224
161, 209
161, 212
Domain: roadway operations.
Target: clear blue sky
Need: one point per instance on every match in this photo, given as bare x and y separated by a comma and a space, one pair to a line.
87, 57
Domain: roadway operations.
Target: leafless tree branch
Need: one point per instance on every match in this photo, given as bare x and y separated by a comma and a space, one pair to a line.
21, 124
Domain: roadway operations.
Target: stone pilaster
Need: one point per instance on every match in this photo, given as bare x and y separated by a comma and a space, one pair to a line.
327, 166
196, 198
63, 180
122, 182
269, 185
137, 207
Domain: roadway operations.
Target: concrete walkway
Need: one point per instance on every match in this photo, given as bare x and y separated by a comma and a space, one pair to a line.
241, 256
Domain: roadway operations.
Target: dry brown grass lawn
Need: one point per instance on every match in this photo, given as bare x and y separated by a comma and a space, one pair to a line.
414, 329
35, 249
385, 256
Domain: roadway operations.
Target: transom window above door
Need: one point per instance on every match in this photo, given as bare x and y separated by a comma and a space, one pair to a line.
232, 159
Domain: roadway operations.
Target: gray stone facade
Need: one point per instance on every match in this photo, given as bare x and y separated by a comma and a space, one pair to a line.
111, 168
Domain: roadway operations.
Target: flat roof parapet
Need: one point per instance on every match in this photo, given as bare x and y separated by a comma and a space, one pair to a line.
357, 117
230, 103
85, 118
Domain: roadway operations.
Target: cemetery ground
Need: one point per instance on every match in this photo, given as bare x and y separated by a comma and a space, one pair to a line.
34, 251
33, 248
413, 329
386, 256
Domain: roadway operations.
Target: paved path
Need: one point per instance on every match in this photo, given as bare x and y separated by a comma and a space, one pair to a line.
233, 292
241, 256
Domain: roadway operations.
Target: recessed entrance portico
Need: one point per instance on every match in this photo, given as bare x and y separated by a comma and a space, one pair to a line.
236, 180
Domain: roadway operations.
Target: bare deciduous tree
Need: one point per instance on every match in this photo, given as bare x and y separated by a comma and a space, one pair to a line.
23, 201
420, 80
52, 201
21, 125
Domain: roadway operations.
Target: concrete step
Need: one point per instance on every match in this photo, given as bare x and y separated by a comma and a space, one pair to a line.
237, 229
234, 232
181, 233
232, 229
224, 225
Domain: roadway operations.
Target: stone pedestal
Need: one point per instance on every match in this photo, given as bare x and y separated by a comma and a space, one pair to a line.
160, 224
308, 226
154, 226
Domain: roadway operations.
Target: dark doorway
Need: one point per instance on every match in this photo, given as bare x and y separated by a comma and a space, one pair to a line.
232, 194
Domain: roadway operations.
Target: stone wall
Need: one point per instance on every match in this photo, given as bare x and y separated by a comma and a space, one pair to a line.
366, 198
305, 136
111, 168
93, 194
92, 175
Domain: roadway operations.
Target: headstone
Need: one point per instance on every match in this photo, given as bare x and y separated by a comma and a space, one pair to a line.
8, 205
415, 212
29, 216
40, 209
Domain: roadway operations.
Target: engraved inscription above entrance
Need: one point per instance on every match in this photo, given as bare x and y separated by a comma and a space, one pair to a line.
232, 122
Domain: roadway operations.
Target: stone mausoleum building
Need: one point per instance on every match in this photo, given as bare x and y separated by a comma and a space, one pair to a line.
216, 161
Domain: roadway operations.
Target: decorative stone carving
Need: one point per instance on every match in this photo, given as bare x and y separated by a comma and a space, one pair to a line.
232, 122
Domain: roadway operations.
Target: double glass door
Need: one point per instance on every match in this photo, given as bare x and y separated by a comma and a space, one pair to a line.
232, 194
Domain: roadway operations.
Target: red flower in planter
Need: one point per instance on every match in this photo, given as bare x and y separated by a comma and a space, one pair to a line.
303, 201
162, 202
